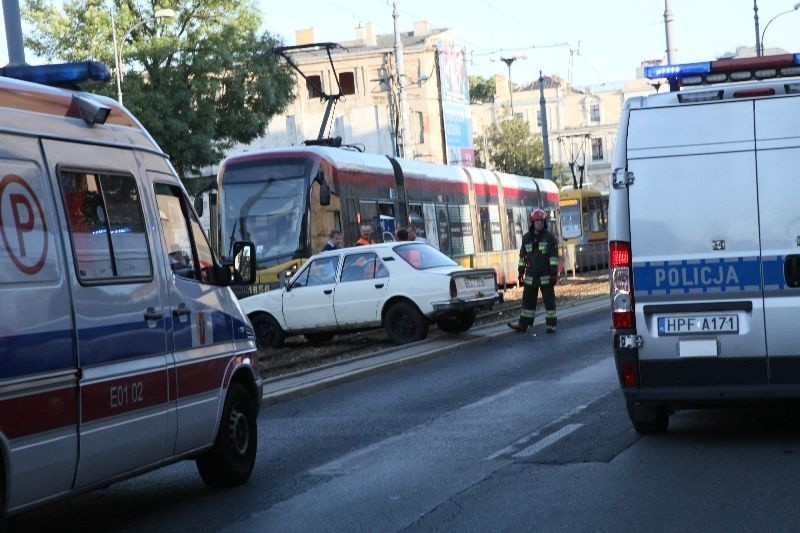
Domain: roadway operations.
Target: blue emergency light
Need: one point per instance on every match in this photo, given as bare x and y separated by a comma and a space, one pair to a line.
66, 75
726, 70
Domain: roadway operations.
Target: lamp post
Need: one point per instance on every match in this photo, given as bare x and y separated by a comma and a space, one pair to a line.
795, 8
157, 14
509, 61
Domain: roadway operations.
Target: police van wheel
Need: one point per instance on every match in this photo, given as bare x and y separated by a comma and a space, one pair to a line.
404, 323
457, 322
268, 332
230, 462
648, 419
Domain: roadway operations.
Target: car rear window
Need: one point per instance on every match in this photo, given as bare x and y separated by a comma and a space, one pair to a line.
422, 256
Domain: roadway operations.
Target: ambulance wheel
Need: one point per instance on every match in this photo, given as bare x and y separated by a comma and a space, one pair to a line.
268, 332
230, 462
404, 323
648, 419
457, 322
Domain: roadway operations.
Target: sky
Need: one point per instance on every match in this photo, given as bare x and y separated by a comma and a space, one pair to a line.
587, 42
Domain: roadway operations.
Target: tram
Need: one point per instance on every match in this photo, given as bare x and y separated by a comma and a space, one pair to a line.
287, 200
584, 229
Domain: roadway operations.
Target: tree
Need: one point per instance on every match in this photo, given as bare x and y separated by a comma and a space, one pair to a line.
199, 82
481, 90
509, 146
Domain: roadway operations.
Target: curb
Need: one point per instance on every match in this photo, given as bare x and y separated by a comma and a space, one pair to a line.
305, 382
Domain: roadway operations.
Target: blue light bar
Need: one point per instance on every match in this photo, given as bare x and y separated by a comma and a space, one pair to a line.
67, 75
676, 71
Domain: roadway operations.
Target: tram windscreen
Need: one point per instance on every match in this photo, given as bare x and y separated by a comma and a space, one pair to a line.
571, 220
264, 202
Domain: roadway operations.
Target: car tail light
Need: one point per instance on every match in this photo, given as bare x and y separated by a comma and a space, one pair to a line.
621, 285
453, 288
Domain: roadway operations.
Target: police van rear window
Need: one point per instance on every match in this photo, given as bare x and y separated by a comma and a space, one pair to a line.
106, 224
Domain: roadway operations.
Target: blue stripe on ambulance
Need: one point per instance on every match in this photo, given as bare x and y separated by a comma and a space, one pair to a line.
733, 274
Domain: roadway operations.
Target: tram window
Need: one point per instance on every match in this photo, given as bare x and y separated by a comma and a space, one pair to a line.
443, 227
511, 229
485, 229
417, 219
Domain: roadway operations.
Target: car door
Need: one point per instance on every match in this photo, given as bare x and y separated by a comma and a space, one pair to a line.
121, 311
308, 303
361, 290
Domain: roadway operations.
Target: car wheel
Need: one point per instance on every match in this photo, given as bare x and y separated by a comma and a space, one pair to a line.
319, 338
404, 323
230, 462
648, 419
268, 332
457, 322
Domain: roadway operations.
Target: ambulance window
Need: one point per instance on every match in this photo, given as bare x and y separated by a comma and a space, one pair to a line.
187, 248
104, 214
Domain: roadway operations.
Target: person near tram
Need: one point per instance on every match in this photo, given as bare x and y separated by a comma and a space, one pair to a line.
538, 270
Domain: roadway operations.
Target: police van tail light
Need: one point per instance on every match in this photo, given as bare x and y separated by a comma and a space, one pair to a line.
621, 284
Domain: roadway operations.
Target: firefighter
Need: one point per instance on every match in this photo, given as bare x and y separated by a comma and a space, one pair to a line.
538, 270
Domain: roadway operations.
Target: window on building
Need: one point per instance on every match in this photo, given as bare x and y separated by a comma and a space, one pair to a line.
420, 127
314, 86
520, 116
594, 113
347, 80
597, 149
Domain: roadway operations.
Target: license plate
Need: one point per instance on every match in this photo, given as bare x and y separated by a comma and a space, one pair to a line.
697, 325
474, 282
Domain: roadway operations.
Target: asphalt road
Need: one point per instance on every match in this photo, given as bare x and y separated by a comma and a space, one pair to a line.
517, 433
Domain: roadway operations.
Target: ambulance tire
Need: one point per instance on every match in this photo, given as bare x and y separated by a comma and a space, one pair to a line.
648, 419
230, 462
268, 332
405, 323
456, 322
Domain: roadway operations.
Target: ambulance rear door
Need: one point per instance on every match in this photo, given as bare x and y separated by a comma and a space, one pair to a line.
695, 246
778, 143
38, 372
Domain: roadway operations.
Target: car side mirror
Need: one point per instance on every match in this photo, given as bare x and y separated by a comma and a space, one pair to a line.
287, 276
244, 262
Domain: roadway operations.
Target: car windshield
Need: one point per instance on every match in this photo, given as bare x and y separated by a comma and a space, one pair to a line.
264, 203
422, 256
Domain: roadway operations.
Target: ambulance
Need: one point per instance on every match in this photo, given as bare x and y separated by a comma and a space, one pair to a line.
122, 347
704, 239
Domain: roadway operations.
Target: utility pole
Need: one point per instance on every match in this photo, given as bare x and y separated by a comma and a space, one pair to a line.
548, 168
759, 51
669, 21
407, 150
16, 47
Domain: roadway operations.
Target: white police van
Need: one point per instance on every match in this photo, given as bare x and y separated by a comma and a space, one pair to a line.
121, 347
704, 239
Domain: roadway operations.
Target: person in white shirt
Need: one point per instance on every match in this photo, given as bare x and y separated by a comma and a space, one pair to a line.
412, 235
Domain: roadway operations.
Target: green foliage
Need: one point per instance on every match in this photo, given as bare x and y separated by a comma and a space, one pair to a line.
481, 90
509, 146
199, 82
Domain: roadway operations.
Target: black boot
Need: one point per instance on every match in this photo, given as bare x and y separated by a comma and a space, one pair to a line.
516, 326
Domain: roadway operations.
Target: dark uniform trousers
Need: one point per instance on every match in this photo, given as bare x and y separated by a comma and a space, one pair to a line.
539, 263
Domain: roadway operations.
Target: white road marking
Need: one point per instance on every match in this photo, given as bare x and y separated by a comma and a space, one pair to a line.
547, 441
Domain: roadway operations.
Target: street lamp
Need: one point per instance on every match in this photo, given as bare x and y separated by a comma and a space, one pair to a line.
795, 8
159, 13
509, 61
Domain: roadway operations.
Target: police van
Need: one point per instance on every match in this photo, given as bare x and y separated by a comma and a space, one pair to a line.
122, 348
704, 238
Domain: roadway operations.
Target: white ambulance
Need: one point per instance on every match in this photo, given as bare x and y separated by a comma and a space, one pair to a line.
704, 239
121, 347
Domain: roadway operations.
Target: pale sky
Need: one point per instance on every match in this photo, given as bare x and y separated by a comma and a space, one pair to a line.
587, 41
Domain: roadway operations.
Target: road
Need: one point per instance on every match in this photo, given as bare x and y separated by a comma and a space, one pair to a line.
526, 433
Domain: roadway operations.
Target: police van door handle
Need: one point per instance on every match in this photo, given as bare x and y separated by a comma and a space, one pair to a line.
379, 285
182, 310
152, 314
328, 291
